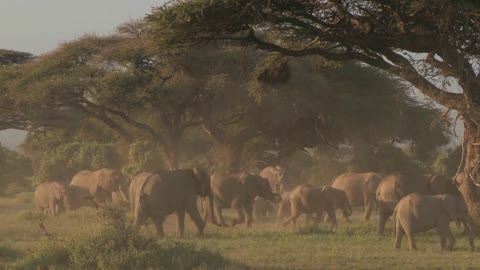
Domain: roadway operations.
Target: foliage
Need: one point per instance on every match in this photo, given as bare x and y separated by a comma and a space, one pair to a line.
116, 245
14, 172
30, 215
142, 156
9, 57
447, 161
62, 162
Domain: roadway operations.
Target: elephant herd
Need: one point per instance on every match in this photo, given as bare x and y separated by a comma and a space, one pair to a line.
417, 202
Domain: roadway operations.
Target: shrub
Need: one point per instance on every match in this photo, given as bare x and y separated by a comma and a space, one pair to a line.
114, 245
25, 197
30, 215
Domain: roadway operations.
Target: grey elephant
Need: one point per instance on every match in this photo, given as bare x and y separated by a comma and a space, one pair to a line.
310, 199
263, 207
238, 191
419, 213
398, 185
360, 189
51, 196
157, 195
275, 176
100, 184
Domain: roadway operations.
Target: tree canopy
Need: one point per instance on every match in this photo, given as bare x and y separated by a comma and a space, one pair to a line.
433, 45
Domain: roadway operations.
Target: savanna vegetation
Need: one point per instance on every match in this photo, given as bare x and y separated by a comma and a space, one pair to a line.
317, 87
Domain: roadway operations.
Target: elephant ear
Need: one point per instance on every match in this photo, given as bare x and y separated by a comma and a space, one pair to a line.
449, 204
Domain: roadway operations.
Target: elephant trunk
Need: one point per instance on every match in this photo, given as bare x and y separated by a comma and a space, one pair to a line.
66, 203
210, 214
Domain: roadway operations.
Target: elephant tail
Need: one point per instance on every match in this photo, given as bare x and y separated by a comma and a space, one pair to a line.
395, 221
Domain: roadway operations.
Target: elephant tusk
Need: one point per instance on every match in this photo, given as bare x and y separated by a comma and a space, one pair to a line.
123, 196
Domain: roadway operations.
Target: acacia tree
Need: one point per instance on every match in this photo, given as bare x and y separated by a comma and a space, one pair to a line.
433, 45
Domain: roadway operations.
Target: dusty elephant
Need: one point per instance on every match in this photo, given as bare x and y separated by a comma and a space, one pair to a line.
166, 192
51, 196
360, 189
100, 184
310, 199
284, 207
263, 207
419, 213
239, 191
275, 176
398, 185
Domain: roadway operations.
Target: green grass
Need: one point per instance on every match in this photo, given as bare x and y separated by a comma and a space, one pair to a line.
265, 246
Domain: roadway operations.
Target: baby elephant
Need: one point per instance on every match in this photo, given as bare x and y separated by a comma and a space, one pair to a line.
49, 196
419, 213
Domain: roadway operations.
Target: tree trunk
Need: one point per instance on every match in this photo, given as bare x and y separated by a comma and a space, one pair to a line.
472, 168
232, 154
173, 154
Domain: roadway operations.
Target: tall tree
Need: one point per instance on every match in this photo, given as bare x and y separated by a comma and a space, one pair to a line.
433, 45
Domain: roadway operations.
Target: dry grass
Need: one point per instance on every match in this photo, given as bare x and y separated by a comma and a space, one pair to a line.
266, 246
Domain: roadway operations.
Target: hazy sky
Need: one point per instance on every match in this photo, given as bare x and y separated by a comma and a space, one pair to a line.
38, 26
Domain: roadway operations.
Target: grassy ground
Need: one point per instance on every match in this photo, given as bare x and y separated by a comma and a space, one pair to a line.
265, 246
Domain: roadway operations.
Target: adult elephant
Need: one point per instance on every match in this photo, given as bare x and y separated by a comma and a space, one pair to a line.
308, 199
419, 212
275, 176
157, 195
398, 185
50, 196
360, 189
238, 191
100, 184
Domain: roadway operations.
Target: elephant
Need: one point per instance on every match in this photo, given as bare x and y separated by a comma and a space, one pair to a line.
239, 191
311, 199
156, 195
284, 207
275, 176
263, 207
50, 196
100, 184
395, 186
418, 212
360, 189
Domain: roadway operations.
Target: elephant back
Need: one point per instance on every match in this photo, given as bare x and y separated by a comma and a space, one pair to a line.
353, 185
82, 179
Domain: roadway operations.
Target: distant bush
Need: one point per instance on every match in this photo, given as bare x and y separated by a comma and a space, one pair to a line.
30, 215
114, 245
25, 197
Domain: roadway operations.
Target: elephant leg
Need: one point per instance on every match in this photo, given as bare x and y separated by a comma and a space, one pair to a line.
293, 219
411, 241
383, 215
368, 210
331, 214
248, 214
218, 208
399, 233
158, 221
451, 240
197, 218
240, 218
180, 224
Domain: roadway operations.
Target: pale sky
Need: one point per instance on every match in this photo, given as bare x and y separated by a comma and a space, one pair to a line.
39, 26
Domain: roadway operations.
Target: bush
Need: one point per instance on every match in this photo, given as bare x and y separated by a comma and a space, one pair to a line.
30, 215
114, 245
25, 197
